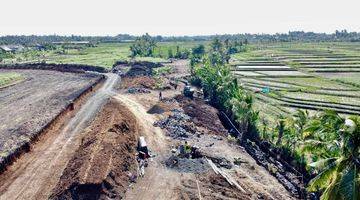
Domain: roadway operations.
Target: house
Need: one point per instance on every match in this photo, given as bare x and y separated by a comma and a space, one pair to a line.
72, 43
11, 48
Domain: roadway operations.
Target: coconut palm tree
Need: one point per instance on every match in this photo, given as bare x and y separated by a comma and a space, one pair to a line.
338, 176
321, 135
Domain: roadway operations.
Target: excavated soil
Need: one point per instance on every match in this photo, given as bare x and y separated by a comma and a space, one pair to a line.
202, 114
137, 82
102, 166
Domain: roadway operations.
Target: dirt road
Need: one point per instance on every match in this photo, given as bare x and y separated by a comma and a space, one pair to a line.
33, 176
159, 182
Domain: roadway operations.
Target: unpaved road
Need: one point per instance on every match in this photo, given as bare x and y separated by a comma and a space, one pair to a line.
34, 175
26, 107
159, 182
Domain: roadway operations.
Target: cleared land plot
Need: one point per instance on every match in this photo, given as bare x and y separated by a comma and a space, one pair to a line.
25, 108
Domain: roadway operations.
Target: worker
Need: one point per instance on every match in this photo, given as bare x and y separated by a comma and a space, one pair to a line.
187, 149
160, 96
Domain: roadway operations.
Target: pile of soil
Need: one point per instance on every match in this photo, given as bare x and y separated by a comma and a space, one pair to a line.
161, 107
102, 166
202, 114
56, 67
134, 68
138, 82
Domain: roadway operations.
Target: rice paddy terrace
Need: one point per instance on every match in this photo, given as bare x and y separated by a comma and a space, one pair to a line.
312, 76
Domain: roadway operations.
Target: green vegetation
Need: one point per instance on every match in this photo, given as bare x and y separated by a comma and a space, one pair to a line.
321, 140
9, 78
336, 142
162, 70
222, 88
104, 55
143, 46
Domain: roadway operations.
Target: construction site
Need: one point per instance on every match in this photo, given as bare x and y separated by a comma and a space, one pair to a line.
124, 134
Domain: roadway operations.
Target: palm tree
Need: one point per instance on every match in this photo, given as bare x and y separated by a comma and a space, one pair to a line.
321, 135
338, 176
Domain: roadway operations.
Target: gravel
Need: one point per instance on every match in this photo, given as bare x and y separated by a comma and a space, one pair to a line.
186, 165
177, 125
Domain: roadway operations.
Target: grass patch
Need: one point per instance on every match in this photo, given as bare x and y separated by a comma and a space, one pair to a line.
9, 78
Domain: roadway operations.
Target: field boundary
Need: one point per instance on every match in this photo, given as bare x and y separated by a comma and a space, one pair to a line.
75, 68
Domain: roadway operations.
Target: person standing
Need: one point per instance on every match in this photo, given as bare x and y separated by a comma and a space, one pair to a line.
160, 96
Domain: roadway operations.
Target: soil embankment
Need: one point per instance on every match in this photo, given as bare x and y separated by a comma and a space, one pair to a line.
102, 166
55, 67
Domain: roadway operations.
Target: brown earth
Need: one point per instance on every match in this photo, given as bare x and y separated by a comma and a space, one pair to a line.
77, 68
161, 182
94, 160
34, 103
139, 81
202, 114
36, 173
100, 167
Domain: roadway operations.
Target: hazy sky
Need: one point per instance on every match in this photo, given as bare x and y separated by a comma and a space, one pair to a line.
176, 17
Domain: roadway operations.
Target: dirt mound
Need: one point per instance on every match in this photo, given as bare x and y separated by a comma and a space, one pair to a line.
55, 67
101, 166
134, 68
202, 115
138, 82
161, 107
156, 109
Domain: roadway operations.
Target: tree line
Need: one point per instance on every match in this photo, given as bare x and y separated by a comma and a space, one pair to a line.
300, 36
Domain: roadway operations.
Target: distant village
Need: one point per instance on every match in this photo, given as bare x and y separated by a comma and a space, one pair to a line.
14, 48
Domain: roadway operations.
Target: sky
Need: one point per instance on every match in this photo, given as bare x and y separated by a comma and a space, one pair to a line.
176, 17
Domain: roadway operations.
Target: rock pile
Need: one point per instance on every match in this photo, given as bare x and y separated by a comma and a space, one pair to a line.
186, 165
178, 124
135, 90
